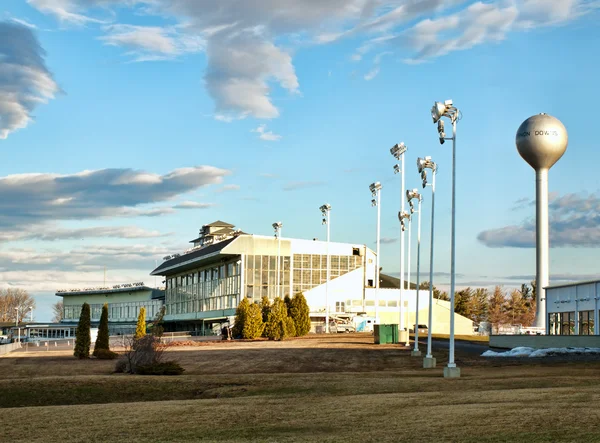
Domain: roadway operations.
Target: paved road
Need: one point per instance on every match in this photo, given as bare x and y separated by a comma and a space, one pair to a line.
459, 345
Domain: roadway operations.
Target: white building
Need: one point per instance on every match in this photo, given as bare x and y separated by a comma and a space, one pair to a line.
572, 308
206, 283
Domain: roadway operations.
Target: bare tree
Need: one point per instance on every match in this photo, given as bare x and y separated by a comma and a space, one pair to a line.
13, 300
58, 310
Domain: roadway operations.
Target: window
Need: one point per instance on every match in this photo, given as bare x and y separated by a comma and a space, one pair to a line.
356, 251
370, 283
340, 306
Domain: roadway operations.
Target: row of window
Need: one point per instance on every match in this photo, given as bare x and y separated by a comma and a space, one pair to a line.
204, 275
310, 270
261, 276
126, 311
563, 323
200, 297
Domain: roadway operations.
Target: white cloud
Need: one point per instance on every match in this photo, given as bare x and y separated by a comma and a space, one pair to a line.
192, 205
230, 187
47, 232
32, 198
64, 10
266, 135
25, 81
23, 22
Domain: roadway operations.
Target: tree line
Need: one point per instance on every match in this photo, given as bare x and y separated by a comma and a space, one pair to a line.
516, 306
289, 317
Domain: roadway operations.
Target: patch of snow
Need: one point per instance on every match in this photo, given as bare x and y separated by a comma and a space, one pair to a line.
523, 351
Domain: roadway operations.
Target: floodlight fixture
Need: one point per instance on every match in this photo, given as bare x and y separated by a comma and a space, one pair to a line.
441, 131
398, 149
373, 202
396, 169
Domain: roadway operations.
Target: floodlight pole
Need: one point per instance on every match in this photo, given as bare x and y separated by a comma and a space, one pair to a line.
377, 258
328, 273
451, 363
17, 325
416, 351
401, 319
408, 266
430, 313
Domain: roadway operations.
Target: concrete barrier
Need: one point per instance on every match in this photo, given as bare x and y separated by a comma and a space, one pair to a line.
544, 341
5, 349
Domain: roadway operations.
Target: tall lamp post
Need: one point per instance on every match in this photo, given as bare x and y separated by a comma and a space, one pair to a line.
423, 164
438, 111
404, 218
410, 195
277, 226
398, 151
17, 324
375, 189
326, 213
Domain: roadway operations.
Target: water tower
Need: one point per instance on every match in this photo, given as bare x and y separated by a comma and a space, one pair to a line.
541, 141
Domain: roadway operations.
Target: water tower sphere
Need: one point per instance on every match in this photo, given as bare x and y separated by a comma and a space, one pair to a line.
542, 140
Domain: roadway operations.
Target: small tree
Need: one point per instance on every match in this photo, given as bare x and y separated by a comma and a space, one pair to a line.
82, 334
300, 313
157, 328
58, 310
265, 306
240, 318
102, 340
140, 329
497, 308
276, 327
253, 324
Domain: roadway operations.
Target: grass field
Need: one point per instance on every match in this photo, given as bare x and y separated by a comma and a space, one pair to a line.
321, 388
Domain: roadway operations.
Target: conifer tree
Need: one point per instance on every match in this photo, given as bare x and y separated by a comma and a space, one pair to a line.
253, 324
102, 341
265, 306
82, 334
276, 327
240, 318
497, 308
140, 329
300, 313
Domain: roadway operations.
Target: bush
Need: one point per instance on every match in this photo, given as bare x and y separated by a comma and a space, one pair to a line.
105, 354
253, 326
240, 318
276, 327
82, 334
265, 306
169, 367
300, 313
140, 329
102, 341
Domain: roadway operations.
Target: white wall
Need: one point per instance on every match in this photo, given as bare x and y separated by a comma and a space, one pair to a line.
347, 287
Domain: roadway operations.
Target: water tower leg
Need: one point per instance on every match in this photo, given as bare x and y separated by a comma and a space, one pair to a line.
542, 245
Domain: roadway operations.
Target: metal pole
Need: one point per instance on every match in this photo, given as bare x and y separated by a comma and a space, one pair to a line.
377, 258
430, 313
416, 350
451, 363
401, 319
18, 328
541, 209
408, 264
328, 274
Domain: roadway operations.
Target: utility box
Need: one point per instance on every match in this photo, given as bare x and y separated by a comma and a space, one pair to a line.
385, 334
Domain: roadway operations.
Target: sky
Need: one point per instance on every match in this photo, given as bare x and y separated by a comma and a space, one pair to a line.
127, 125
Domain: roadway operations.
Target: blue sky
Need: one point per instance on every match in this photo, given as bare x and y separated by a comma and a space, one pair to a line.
184, 112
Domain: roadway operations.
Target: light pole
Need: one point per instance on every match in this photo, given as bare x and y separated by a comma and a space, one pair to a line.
375, 189
277, 226
398, 151
410, 195
17, 324
422, 164
326, 213
438, 111
402, 216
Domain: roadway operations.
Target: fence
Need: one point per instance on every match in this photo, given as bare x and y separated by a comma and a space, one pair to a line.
5, 349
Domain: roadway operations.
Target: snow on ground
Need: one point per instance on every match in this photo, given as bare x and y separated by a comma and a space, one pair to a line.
523, 351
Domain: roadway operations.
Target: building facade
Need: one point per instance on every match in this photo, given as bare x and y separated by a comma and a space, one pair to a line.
572, 308
206, 283
124, 303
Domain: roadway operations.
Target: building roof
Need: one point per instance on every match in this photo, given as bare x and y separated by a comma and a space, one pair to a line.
573, 283
194, 256
219, 223
389, 282
156, 293
222, 231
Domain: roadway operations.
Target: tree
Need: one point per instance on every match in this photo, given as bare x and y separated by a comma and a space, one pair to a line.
463, 302
497, 308
102, 340
300, 313
82, 334
290, 325
240, 318
140, 328
58, 310
253, 324
480, 305
528, 294
13, 300
156, 327
276, 327
436, 292
265, 306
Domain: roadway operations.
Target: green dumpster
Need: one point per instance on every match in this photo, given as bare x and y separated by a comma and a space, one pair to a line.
385, 334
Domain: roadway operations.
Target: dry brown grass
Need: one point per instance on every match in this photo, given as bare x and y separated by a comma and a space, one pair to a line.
328, 388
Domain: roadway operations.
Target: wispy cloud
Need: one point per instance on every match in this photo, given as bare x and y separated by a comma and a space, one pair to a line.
293, 186
25, 81
266, 135
193, 205
230, 187
574, 222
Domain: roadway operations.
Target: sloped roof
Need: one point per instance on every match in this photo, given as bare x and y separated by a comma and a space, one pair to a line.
389, 282
194, 256
219, 223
